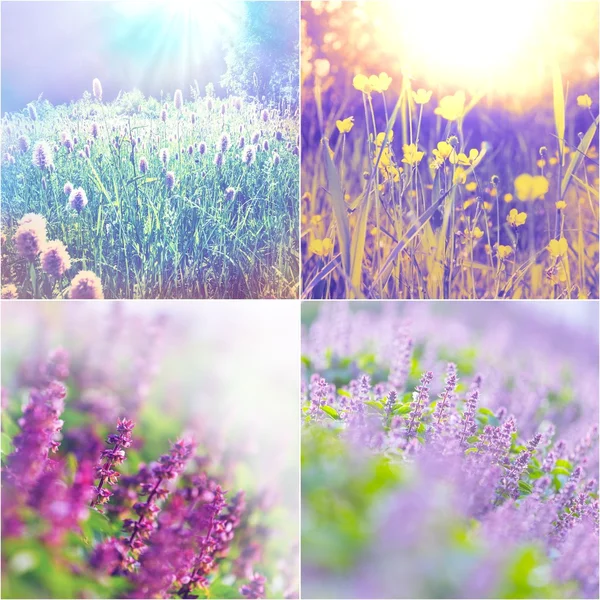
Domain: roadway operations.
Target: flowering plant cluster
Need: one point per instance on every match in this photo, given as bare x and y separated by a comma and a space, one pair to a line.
213, 180
418, 182
98, 502
434, 471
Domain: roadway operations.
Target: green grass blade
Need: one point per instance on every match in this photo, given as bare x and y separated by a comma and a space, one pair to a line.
410, 234
559, 107
340, 213
578, 155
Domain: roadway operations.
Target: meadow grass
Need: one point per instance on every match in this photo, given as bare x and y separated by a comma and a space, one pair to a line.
207, 218
402, 203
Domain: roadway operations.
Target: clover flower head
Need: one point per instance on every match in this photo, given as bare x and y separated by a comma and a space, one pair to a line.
178, 100
170, 180
78, 199
55, 259
223, 143
97, 89
86, 286
42, 156
249, 155
30, 236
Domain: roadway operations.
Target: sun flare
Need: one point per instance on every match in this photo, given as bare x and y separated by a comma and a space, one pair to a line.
479, 46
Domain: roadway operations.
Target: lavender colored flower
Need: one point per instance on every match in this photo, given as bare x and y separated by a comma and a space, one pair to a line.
32, 112
223, 143
112, 457
178, 100
202, 147
164, 156
97, 89
265, 115
169, 466
255, 137
170, 180
143, 165
420, 399
38, 436
229, 194
24, 143
42, 156
468, 425
276, 159
94, 130
219, 159
78, 199
255, 588
249, 155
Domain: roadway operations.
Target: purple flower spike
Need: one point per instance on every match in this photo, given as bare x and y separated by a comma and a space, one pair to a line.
112, 457
420, 398
40, 426
168, 467
255, 588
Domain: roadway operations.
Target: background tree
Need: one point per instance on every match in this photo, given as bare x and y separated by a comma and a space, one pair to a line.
264, 61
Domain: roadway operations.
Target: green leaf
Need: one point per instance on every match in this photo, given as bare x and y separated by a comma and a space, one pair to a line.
344, 393
562, 462
485, 411
374, 404
306, 362
471, 450
7, 445
223, 591
578, 155
525, 488
559, 106
402, 409
560, 471
338, 205
331, 412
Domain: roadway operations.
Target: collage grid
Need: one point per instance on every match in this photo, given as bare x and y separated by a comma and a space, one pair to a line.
347, 343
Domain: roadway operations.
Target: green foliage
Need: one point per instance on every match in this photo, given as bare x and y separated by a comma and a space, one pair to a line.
263, 62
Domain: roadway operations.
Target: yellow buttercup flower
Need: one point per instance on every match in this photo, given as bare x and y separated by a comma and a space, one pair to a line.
316, 219
508, 198
561, 204
558, 247
452, 108
381, 136
421, 96
515, 218
384, 82
321, 247
584, 101
463, 159
472, 235
412, 156
346, 125
443, 151
487, 206
362, 84
460, 176
528, 187
471, 186
503, 251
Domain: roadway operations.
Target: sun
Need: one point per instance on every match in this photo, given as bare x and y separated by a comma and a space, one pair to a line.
506, 47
